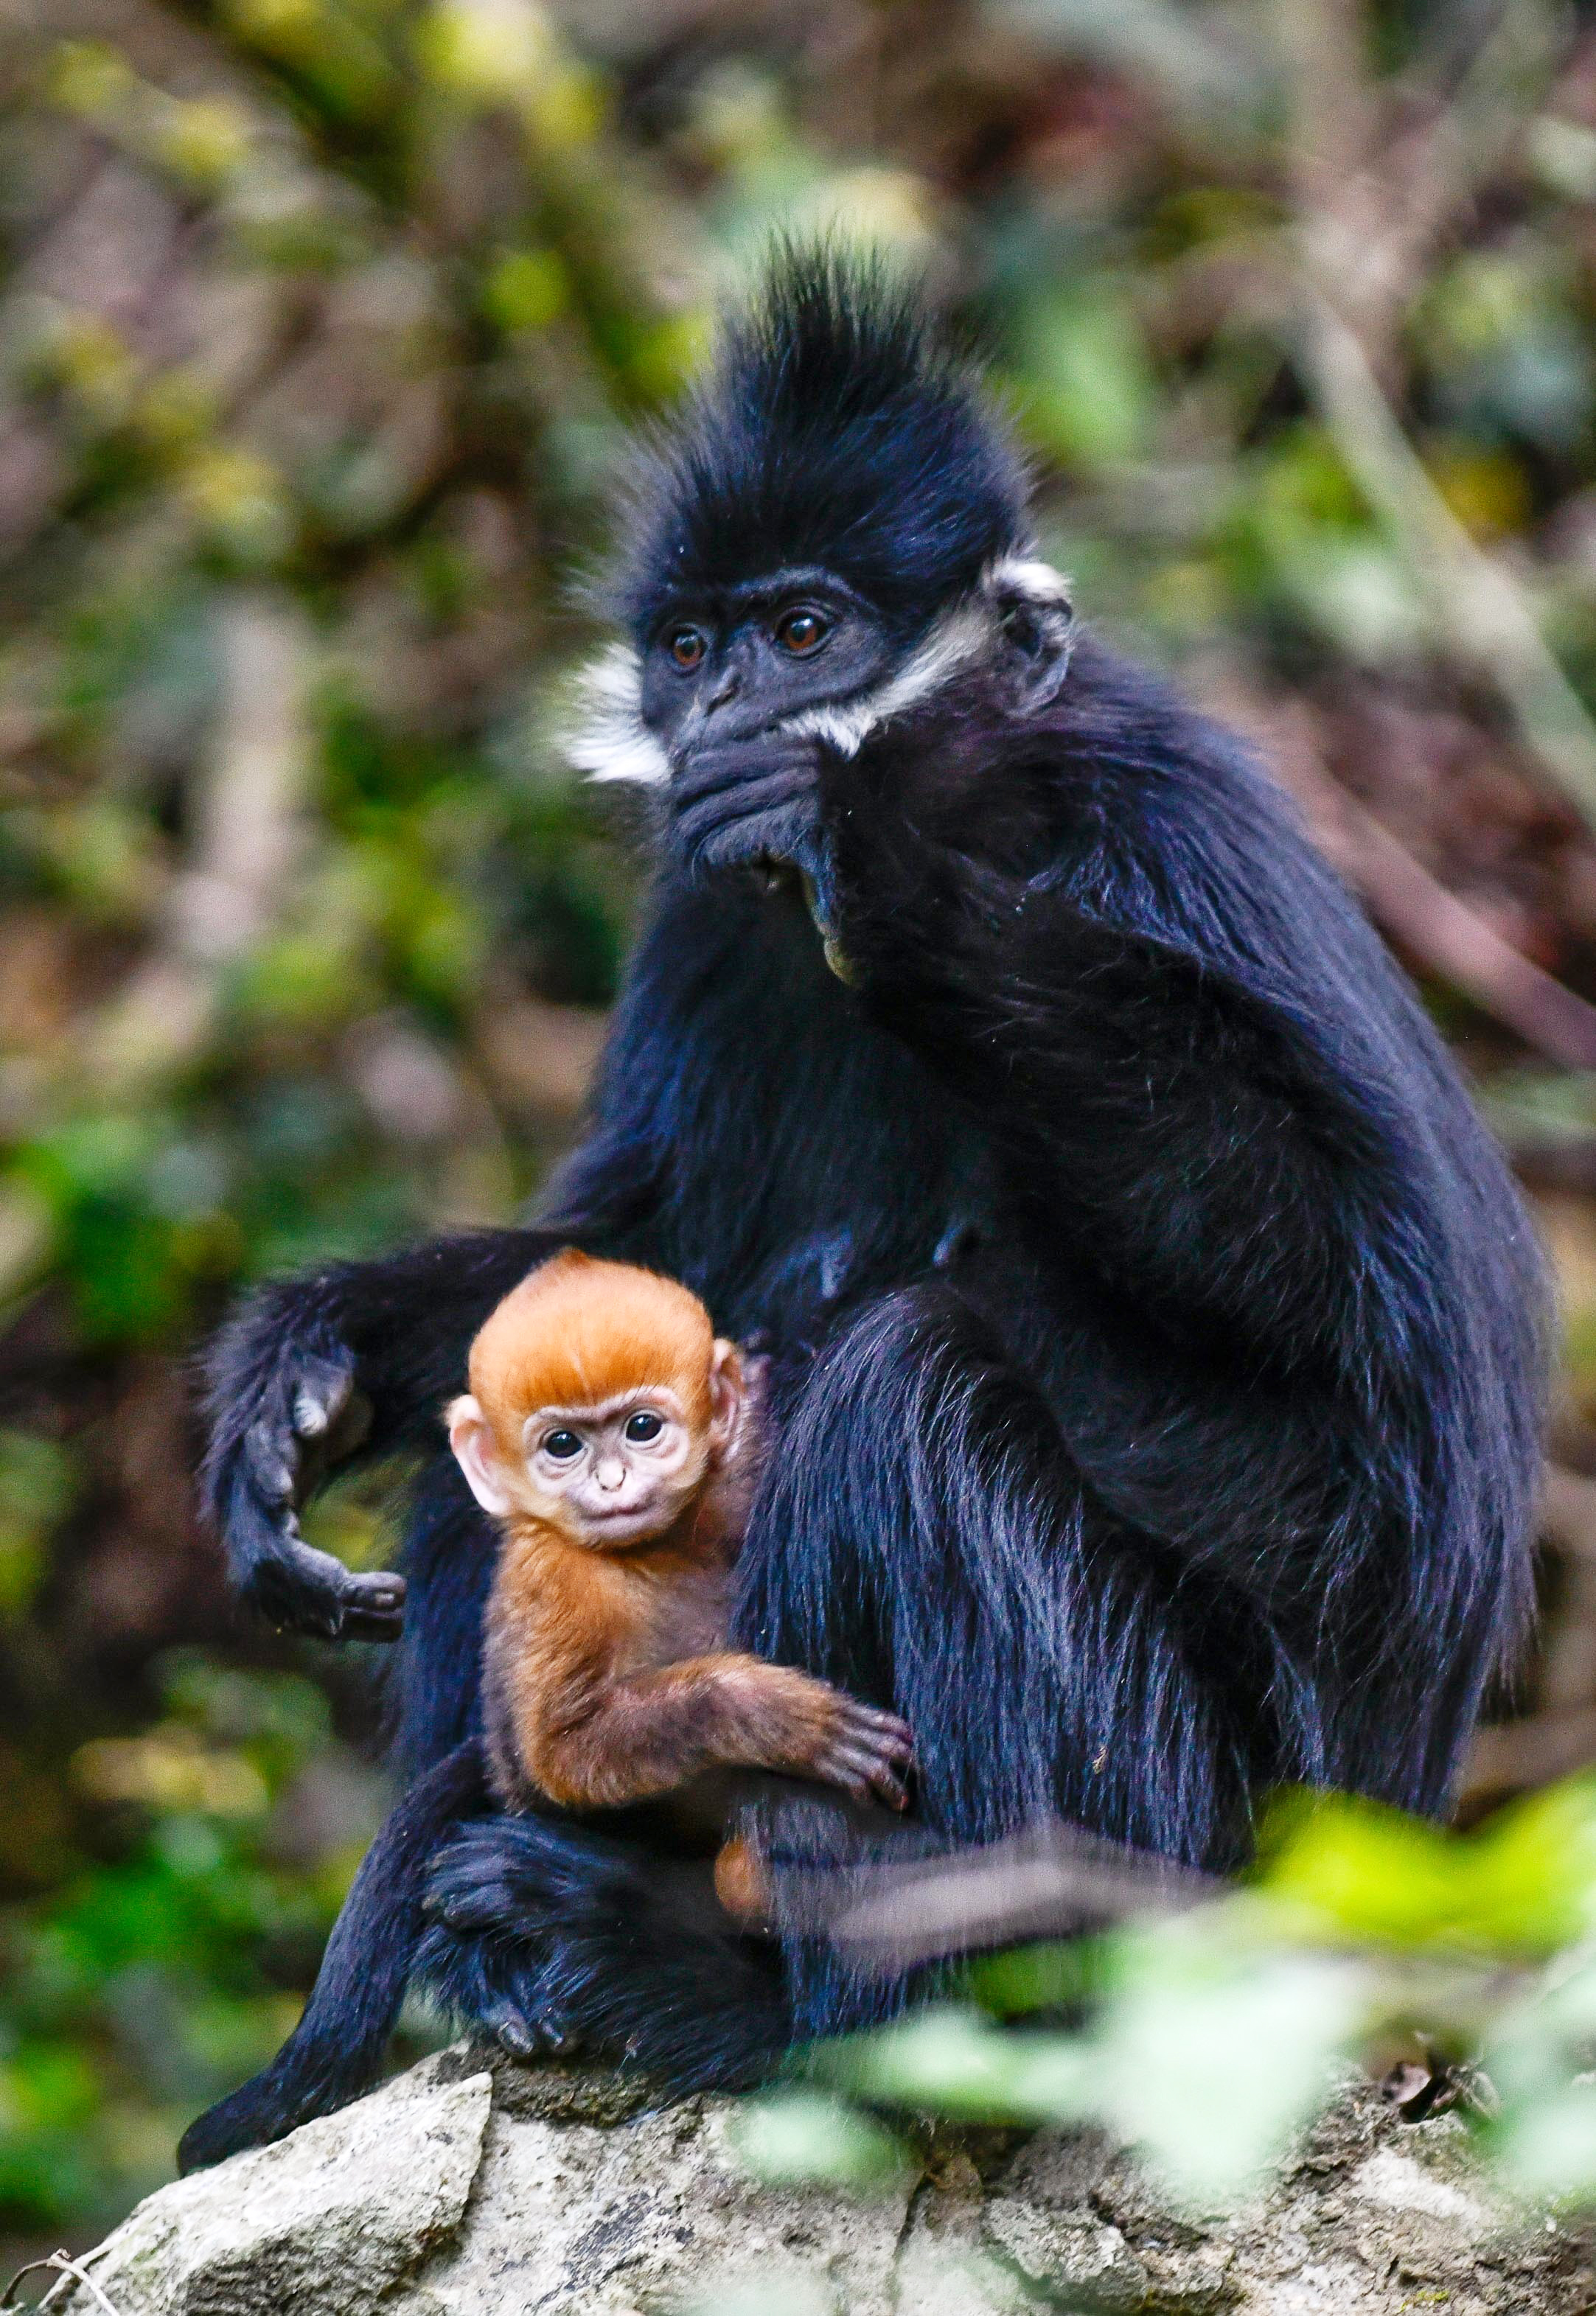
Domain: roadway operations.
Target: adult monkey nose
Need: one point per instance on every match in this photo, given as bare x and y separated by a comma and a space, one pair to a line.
731, 679
711, 717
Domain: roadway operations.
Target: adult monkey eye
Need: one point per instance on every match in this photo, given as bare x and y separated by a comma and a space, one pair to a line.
644, 1426
562, 1446
802, 632
686, 646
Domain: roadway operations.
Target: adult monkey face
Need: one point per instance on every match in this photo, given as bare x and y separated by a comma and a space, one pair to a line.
737, 686
833, 531
731, 664
742, 690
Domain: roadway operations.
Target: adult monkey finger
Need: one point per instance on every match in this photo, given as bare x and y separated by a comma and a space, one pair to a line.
290, 1584
309, 1416
721, 768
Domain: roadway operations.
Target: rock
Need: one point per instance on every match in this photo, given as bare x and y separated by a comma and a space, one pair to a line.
472, 2188
330, 2219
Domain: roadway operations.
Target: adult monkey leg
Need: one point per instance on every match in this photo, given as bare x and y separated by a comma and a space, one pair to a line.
543, 1922
924, 1539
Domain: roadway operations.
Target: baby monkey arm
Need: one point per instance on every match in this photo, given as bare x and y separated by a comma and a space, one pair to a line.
641, 1736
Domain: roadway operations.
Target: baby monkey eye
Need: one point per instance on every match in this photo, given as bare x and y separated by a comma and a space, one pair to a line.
562, 1446
644, 1426
686, 646
800, 632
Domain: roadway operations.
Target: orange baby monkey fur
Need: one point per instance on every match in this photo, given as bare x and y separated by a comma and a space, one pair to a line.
609, 1433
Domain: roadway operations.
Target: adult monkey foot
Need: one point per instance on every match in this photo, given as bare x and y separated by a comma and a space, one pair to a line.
529, 2038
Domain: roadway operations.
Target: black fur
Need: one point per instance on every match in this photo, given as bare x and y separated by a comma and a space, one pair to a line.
832, 432
548, 1921
1156, 1366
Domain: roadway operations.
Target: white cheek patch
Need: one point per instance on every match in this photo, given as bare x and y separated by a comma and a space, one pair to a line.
844, 727
955, 641
609, 740
1038, 582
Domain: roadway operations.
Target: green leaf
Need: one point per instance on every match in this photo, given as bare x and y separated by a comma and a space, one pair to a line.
1526, 1882
798, 2137
1033, 1978
1548, 2146
1212, 2055
952, 2061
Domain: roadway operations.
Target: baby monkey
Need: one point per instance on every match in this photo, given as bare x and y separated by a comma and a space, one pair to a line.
611, 1437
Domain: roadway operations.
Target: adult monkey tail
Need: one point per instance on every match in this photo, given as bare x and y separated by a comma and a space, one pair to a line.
337, 2051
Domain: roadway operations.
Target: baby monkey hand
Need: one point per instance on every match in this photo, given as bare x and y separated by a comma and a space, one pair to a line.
802, 1726
865, 1752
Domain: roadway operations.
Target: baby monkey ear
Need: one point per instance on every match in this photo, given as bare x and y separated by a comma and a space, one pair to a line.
1038, 626
477, 1452
728, 1395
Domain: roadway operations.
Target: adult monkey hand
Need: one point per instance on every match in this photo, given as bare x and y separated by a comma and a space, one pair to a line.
755, 802
290, 1411
737, 802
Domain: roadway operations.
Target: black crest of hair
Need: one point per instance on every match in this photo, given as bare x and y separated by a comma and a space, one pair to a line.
1156, 1352
835, 429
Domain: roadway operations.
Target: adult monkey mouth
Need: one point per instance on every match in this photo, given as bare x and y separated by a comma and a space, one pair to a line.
607, 740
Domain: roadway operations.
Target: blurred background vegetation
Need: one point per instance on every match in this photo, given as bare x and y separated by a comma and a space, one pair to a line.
321, 323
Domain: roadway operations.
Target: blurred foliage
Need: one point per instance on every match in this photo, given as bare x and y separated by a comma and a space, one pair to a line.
152, 1977
1211, 2038
321, 323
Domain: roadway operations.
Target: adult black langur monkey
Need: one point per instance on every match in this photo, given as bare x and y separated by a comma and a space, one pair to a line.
1155, 1333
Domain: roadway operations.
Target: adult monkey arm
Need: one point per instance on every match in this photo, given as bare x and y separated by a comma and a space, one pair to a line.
1016, 902
307, 1376
1215, 1098
352, 1362
1167, 1008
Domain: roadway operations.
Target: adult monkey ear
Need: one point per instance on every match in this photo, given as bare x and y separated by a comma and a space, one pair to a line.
1038, 621
477, 1452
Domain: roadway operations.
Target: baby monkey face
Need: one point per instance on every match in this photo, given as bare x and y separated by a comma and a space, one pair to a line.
601, 1404
616, 1472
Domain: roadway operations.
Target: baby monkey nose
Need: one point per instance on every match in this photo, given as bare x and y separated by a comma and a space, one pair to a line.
609, 1473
